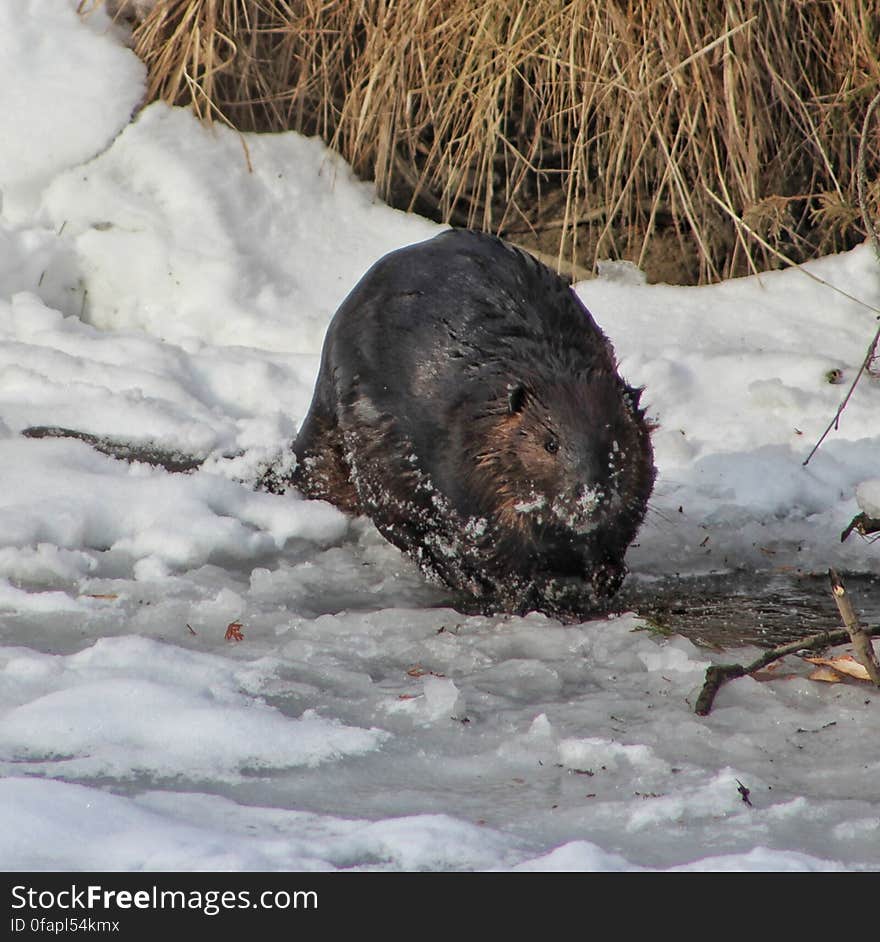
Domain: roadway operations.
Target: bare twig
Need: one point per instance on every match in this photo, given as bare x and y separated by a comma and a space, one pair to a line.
871, 229
869, 356
872, 348
863, 649
784, 258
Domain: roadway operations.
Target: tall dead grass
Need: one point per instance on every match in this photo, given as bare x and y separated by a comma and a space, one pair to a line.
676, 133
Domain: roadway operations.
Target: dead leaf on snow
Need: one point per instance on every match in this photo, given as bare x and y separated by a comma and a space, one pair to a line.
845, 664
233, 631
826, 674
418, 671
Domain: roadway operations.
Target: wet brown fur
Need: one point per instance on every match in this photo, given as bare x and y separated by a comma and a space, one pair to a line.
513, 467
324, 474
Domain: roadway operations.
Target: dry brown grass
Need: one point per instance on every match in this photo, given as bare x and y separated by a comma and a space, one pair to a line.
588, 128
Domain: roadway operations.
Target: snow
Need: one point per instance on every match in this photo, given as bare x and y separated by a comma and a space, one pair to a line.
868, 497
165, 282
66, 89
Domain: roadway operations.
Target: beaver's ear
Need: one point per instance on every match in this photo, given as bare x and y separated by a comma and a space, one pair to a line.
516, 398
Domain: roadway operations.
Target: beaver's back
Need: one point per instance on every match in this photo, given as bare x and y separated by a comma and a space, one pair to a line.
452, 317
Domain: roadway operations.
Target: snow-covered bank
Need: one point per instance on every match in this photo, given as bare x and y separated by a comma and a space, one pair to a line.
152, 286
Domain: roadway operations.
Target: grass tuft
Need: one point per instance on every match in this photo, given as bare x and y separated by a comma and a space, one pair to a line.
582, 129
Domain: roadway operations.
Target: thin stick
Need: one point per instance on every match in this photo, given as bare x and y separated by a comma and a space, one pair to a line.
718, 674
784, 258
833, 424
863, 649
871, 229
869, 356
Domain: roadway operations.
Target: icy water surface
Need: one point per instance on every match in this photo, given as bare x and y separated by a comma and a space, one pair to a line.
762, 608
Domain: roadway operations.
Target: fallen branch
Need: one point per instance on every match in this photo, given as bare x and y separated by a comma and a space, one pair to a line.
718, 674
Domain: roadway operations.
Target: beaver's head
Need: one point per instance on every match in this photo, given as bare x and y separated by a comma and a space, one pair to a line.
567, 465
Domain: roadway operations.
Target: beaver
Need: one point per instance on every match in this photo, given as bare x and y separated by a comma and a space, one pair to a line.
471, 407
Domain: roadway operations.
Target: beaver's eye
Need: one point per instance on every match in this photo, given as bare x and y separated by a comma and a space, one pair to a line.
551, 445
